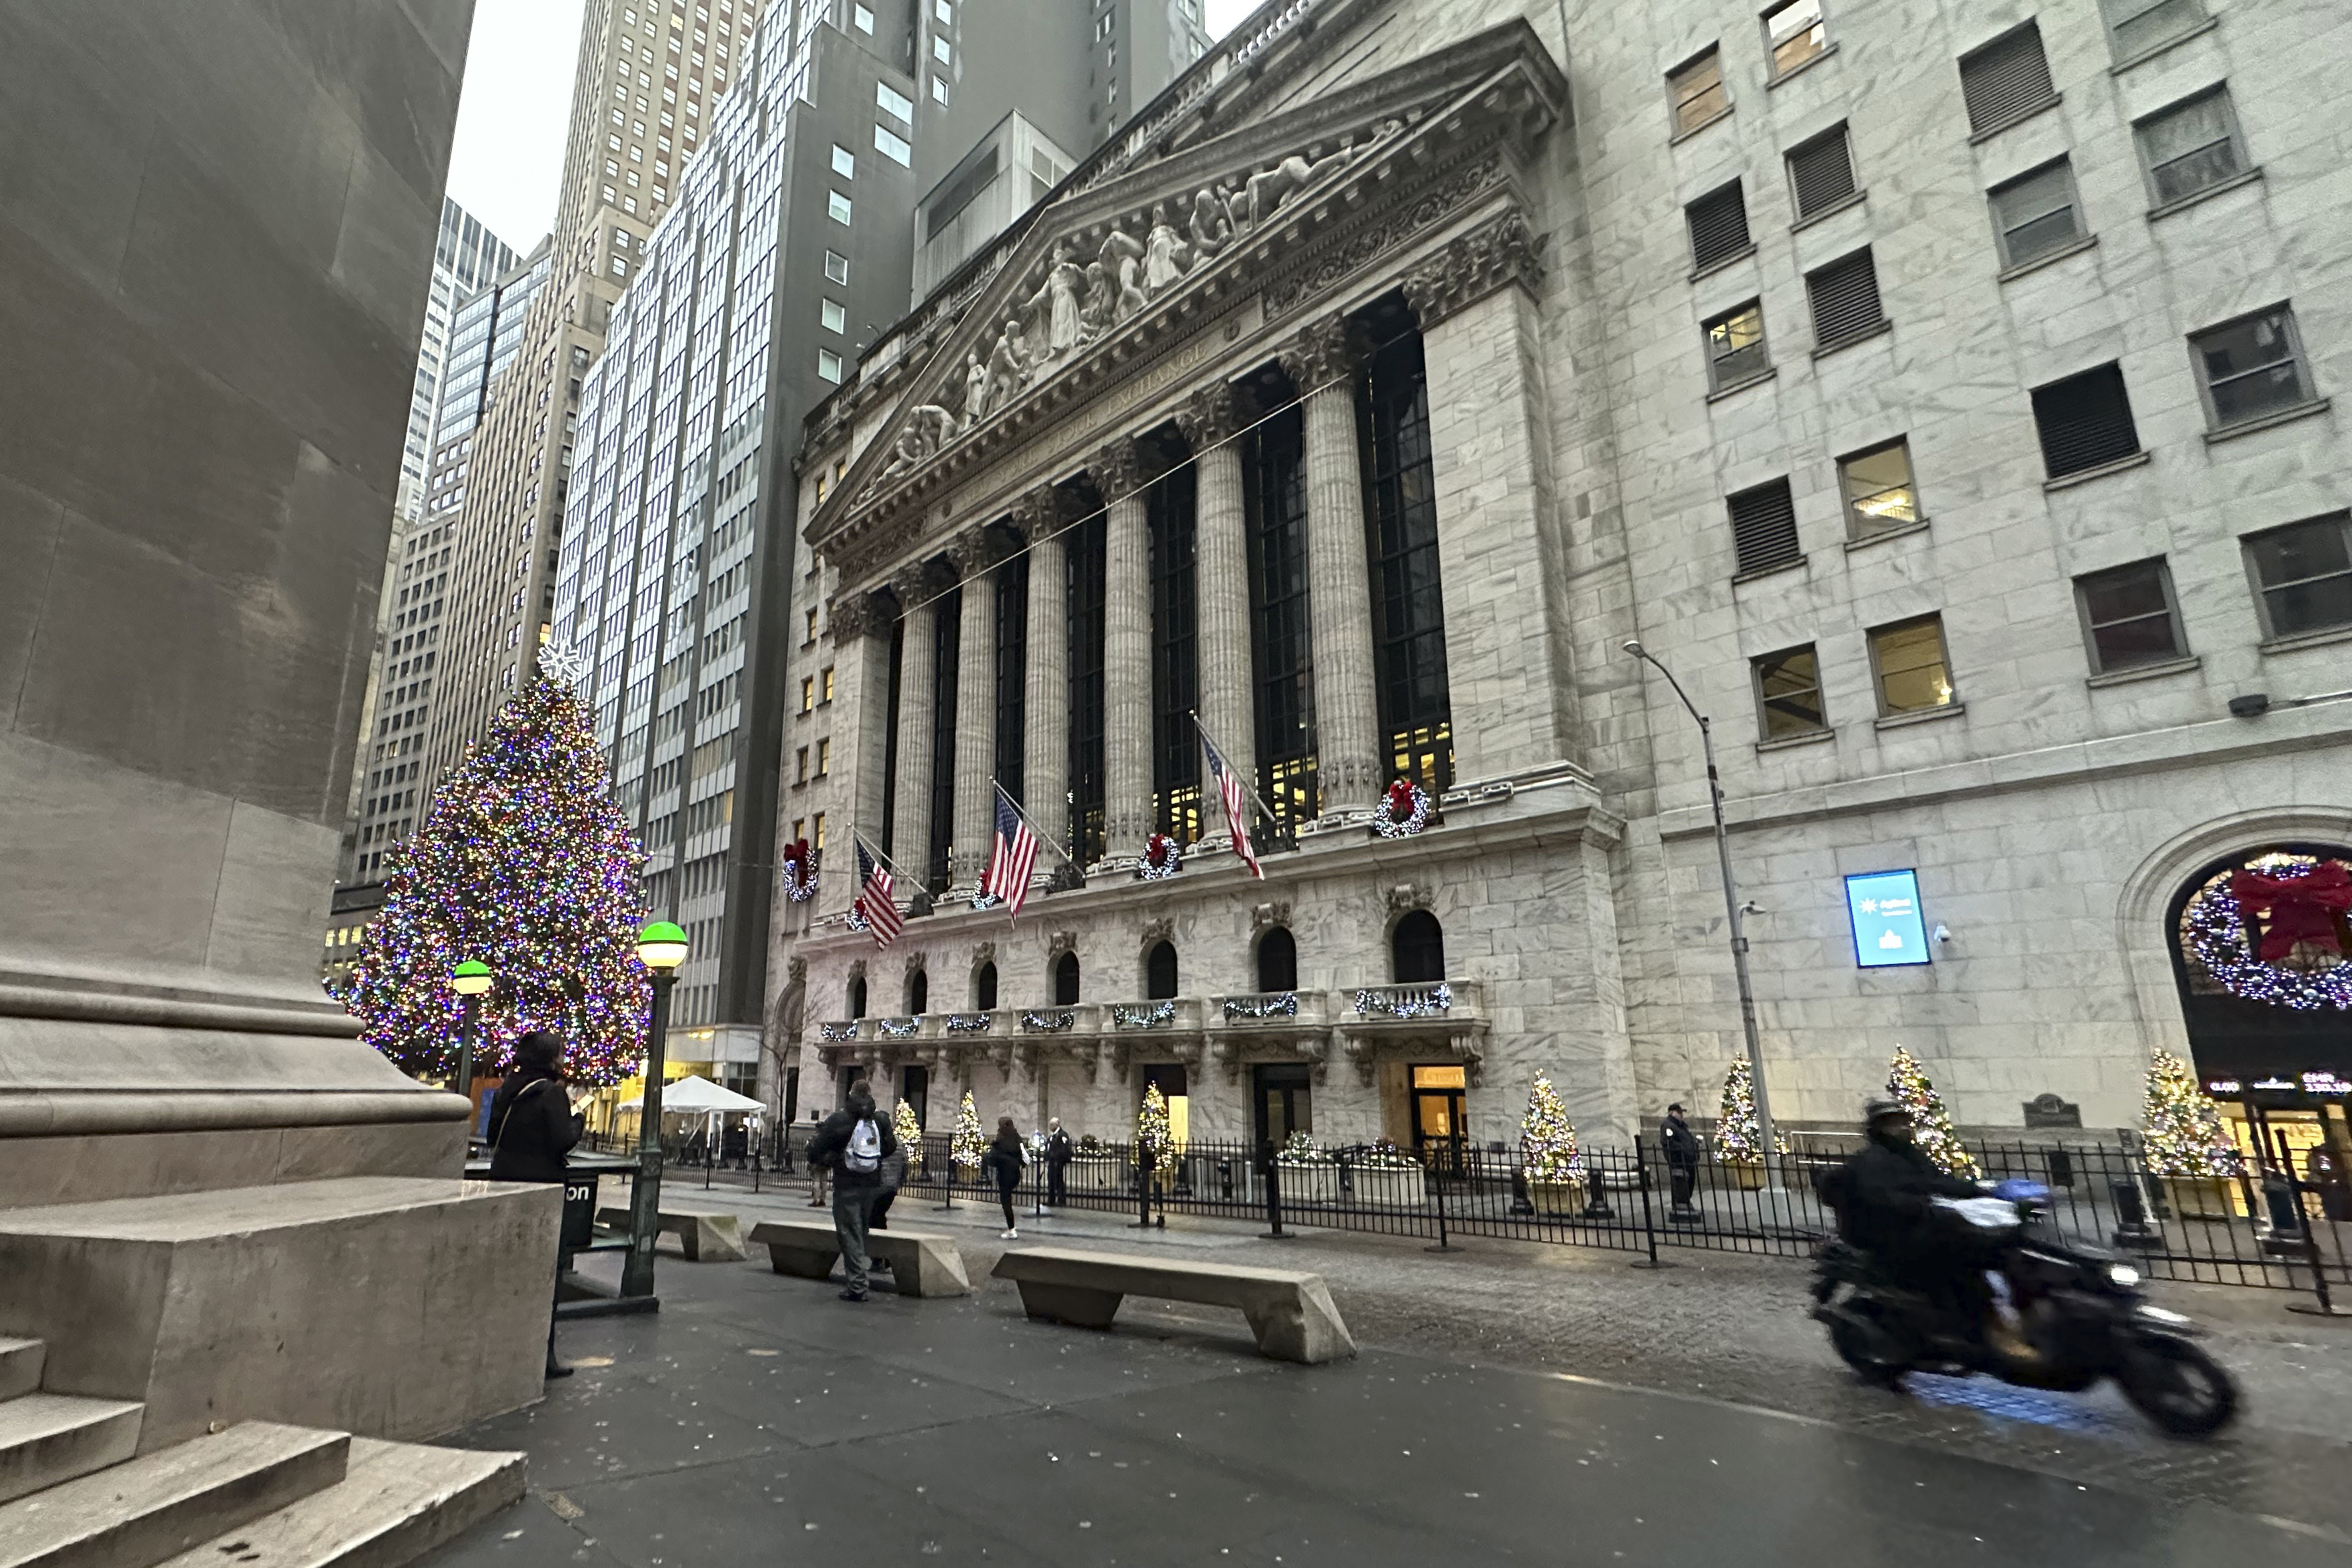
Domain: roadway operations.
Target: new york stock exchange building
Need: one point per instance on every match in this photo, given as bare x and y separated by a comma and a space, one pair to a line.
1347, 416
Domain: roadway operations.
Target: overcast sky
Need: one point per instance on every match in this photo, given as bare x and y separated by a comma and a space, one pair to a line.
509, 156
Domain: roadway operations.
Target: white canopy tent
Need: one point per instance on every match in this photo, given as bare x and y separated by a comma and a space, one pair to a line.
697, 1096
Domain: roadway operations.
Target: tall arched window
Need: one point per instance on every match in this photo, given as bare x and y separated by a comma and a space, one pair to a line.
1065, 980
1159, 970
1417, 949
918, 993
856, 998
1278, 960
984, 987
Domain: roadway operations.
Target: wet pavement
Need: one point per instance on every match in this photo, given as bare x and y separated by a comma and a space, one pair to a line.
757, 1412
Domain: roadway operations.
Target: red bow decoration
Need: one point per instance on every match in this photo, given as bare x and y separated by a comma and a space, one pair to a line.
1400, 800
1156, 850
2302, 908
796, 852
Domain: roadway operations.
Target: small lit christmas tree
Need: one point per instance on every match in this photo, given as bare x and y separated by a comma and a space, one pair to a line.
2180, 1127
1155, 1142
525, 864
1547, 1151
910, 1137
1739, 1132
1931, 1126
968, 1146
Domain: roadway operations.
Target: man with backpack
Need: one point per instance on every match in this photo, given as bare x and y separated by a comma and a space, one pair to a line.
853, 1144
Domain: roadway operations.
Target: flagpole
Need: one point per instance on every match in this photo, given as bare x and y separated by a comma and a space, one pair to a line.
1249, 785
1022, 813
882, 855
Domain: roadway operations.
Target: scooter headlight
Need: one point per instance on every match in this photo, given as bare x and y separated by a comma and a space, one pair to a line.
2122, 1274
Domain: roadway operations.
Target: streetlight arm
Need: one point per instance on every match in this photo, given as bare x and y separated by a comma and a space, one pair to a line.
1647, 657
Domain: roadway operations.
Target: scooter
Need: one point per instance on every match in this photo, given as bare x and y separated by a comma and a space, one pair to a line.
2081, 1316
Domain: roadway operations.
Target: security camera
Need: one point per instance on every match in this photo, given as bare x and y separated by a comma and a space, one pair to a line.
1752, 908
1942, 934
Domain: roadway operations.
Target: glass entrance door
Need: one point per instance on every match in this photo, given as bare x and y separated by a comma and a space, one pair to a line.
1440, 1128
1285, 1100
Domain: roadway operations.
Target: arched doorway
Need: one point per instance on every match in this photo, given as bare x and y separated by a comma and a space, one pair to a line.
983, 988
1065, 980
2261, 943
856, 1001
1278, 960
1160, 971
1417, 949
918, 993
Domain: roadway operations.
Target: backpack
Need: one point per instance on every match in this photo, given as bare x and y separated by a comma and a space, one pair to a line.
864, 1153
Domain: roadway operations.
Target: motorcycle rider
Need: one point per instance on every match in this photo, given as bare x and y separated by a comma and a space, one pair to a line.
1885, 1197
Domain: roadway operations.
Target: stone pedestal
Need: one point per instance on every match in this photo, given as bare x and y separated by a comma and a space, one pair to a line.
386, 1305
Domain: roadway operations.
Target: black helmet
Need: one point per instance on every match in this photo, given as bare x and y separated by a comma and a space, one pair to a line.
1879, 1109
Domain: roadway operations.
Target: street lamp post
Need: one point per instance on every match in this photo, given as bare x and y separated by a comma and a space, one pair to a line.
661, 947
469, 980
1767, 1135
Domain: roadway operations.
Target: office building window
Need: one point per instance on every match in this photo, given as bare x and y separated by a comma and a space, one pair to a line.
800, 765
2036, 213
808, 693
892, 145
837, 266
941, 49
2302, 576
844, 162
2130, 617
1879, 495
832, 315
2138, 26
1734, 346
828, 365
940, 90
836, 206
862, 19
816, 831
1718, 226
2250, 367
2006, 81
1793, 33
1789, 694
1907, 659
1821, 173
892, 101
1416, 705
1695, 90
2190, 146
2084, 421
1845, 300
1764, 527
823, 756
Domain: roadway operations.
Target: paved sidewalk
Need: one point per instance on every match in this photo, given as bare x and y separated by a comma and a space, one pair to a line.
1734, 1327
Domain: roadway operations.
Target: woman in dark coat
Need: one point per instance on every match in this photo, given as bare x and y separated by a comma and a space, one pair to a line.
532, 1129
1007, 1154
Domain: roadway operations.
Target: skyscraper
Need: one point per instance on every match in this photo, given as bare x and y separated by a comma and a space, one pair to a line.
650, 76
790, 256
466, 256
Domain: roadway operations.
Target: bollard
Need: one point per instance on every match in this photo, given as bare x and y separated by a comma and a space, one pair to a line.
1597, 1206
1649, 1222
1273, 1169
1438, 1191
1225, 1180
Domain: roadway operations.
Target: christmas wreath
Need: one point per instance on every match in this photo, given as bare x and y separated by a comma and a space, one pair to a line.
1404, 811
2292, 902
856, 919
799, 871
1161, 858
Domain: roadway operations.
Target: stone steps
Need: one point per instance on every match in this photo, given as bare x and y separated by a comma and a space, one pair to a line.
395, 1503
137, 1513
46, 1438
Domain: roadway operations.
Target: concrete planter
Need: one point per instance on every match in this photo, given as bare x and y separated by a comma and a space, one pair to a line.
1747, 1175
1390, 1187
1556, 1198
1304, 1183
2197, 1198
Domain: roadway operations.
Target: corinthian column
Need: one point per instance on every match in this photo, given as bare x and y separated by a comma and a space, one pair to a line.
1220, 586
910, 816
1126, 658
975, 715
1046, 699
1322, 365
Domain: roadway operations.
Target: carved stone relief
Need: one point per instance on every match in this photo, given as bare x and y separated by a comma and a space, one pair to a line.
1503, 252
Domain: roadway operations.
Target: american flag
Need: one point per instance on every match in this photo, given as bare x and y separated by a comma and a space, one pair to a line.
1015, 853
882, 915
1236, 798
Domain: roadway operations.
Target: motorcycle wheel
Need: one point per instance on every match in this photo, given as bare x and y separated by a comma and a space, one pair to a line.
2176, 1385
1865, 1348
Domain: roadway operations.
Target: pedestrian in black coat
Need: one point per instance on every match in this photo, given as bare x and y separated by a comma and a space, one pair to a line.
1006, 1155
1059, 1153
854, 1143
1682, 1158
532, 1128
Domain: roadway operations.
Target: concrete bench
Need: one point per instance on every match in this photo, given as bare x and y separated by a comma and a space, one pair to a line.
921, 1262
703, 1238
1291, 1313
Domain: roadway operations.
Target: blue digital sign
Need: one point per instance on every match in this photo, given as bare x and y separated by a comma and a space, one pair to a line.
1885, 908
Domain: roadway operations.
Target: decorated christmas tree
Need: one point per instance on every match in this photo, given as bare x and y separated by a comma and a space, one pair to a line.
910, 1137
2182, 1132
1547, 1151
1932, 1127
968, 1145
1739, 1132
1155, 1142
525, 864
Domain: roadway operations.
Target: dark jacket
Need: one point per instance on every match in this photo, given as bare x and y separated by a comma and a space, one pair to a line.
1006, 1155
829, 1149
1059, 1149
1884, 1193
531, 1129
1682, 1143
